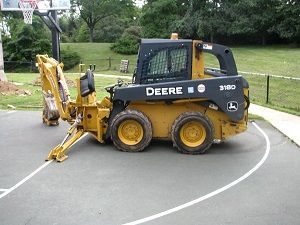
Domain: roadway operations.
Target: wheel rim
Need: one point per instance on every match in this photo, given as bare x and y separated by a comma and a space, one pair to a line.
130, 132
192, 134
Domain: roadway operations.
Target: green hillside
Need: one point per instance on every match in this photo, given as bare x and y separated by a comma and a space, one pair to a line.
278, 60
99, 54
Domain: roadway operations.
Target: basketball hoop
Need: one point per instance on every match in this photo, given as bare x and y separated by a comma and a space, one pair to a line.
27, 7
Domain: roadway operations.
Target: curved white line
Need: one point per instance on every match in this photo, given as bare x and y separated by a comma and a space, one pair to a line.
211, 194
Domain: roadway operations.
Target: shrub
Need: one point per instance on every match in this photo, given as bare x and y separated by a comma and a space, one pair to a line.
69, 58
133, 31
129, 42
126, 45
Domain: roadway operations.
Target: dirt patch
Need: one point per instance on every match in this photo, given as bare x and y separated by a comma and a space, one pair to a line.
69, 82
7, 88
37, 81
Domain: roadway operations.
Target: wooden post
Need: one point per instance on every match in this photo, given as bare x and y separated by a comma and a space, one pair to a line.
109, 63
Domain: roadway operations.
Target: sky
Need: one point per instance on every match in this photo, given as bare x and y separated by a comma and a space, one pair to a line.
139, 3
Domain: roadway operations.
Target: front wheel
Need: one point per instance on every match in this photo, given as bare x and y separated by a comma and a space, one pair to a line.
192, 133
131, 131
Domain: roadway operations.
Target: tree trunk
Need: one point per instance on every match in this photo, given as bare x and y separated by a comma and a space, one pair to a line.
263, 40
91, 29
211, 37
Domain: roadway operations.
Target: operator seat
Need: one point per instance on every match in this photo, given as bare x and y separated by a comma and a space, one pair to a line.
87, 84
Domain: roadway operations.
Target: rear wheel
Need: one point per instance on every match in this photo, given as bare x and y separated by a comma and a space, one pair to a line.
192, 133
131, 131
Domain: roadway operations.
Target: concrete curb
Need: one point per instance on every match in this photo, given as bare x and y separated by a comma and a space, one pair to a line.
286, 123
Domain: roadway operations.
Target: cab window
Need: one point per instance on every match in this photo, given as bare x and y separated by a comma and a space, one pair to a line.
166, 65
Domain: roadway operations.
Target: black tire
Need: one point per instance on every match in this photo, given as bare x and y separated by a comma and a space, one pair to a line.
131, 131
192, 133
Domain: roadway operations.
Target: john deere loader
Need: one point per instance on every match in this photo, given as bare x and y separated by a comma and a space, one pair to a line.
172, 96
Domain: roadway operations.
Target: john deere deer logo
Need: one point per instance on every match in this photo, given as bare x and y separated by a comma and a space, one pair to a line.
232, 106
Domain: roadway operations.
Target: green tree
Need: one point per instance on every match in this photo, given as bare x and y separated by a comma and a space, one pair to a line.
82, 34
159, 17
190, 18
94, 12
288, 25
111, 29
69, 25
203, 19
252, 17
26, 41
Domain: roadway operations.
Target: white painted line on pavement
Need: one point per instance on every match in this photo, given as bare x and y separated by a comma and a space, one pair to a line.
7, 191
214, 193
25, 179
3, 189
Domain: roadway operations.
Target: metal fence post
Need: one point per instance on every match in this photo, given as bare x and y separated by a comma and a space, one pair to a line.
268, 88
31, 66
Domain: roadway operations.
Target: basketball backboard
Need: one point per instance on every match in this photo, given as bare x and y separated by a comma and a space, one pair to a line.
42, 5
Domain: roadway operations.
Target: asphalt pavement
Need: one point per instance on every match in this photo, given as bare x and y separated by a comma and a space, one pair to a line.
99, 185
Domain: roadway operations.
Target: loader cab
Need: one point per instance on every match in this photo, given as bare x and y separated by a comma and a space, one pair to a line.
163, 60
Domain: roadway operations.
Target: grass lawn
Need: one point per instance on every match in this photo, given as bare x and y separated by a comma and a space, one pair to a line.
278, 60
283, 93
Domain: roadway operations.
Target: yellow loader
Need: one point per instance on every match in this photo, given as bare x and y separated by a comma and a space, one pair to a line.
171, 97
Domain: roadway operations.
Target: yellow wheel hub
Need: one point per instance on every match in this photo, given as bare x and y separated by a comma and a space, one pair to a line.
192, 134
130, 132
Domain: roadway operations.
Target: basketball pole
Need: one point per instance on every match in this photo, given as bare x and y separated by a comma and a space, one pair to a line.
55, 37
53, 25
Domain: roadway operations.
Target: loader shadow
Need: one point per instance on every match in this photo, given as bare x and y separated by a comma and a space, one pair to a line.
90, 144
226, 147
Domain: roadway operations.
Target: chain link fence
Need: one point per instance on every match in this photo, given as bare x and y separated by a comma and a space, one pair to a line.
278, 91
105, 64
19, 66
109, 64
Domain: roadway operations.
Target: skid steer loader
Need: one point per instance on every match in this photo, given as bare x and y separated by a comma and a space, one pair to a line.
171, 96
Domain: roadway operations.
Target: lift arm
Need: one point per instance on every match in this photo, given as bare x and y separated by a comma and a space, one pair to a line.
55, 90
59, 151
